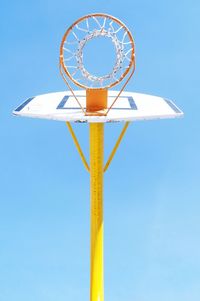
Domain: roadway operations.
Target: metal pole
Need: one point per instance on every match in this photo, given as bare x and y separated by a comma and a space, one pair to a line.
96, 191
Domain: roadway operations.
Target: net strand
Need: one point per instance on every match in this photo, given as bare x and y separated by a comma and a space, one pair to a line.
75, 36
68, 50
81, 29
94, 18
87, 24
69, 58
124, 36
104, 23
116, 31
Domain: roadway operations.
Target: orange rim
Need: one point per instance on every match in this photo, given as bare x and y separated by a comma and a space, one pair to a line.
132, 56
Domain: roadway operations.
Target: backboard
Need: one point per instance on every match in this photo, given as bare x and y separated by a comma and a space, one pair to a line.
130, 106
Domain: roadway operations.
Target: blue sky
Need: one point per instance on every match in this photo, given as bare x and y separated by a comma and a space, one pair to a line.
152, 189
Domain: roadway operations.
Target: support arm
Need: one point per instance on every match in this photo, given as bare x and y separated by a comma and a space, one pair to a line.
116, 146
78, 146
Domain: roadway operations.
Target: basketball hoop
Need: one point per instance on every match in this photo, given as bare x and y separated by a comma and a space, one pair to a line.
97, 105
86, 29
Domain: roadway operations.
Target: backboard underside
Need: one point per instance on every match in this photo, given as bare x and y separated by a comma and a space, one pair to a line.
130, 106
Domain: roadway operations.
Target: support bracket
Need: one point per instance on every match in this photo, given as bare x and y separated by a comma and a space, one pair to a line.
78, 146
116, 146
110, 158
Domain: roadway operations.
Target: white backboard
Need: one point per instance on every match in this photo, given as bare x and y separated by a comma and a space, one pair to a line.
130, 106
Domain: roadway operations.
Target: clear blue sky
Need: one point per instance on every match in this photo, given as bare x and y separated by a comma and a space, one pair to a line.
152, 189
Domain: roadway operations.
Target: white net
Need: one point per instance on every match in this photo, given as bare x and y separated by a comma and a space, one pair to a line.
86, 29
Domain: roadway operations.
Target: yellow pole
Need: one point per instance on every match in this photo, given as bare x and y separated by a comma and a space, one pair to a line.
96, 191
